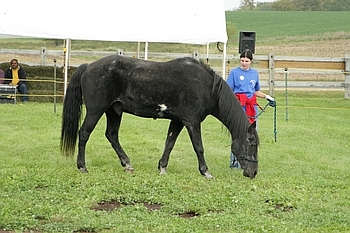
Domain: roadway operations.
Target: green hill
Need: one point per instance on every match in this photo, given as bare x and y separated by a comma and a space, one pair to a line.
270, 24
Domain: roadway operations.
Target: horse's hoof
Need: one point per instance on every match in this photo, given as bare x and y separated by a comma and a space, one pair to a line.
83, 170
129, 170
208, 175
162, 171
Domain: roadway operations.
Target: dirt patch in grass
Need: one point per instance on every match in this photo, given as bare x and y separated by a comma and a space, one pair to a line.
114, 204
284, 208
280, 206
189, 214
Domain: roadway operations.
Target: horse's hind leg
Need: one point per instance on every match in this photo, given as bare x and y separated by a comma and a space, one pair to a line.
86, 128
112, 134
173, 132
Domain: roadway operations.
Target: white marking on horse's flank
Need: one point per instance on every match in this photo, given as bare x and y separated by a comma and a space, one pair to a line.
163, 107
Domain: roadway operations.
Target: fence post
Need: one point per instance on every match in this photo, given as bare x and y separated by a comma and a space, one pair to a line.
286, 90
195, 55
347, 77
228, 68
43, 56
54, 85
271, 74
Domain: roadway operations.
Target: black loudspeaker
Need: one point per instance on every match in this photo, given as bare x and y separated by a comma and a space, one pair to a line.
246, 41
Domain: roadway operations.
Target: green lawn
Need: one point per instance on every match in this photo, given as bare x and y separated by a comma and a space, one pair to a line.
302, 184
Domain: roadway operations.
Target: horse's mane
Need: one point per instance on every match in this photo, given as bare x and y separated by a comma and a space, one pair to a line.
230, 110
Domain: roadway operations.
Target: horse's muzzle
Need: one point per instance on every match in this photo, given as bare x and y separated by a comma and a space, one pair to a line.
250, 173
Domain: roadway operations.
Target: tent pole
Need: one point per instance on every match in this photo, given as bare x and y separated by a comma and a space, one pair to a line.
224, 63
66, 51
138, 49
146, 51
207, 53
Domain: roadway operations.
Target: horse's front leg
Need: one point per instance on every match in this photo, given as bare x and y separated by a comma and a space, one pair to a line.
174, 130
112, 134
84, 133
194, 130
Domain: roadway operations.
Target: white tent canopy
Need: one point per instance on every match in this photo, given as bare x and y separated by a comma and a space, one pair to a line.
180, 21
176, 21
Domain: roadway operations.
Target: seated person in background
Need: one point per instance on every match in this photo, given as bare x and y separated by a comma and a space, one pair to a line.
15, 76
2, 75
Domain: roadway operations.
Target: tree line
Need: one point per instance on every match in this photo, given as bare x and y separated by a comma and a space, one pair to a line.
295, 5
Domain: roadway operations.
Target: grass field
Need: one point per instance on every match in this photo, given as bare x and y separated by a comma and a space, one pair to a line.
302, 184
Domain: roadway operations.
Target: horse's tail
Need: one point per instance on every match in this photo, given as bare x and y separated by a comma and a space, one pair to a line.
73, 101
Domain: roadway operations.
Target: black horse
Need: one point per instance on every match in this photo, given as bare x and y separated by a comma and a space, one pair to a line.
183, 90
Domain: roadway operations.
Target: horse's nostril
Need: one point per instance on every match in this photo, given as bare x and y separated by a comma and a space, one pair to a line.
252, 175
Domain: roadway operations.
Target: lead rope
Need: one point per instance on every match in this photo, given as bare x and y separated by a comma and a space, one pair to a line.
275, 122
274, 118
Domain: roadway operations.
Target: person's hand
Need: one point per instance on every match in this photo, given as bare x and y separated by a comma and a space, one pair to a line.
271, 100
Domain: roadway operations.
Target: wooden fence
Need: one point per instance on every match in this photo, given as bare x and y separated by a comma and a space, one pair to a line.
269, 64
307, 64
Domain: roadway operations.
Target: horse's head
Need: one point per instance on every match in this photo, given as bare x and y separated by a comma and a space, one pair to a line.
246, 151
